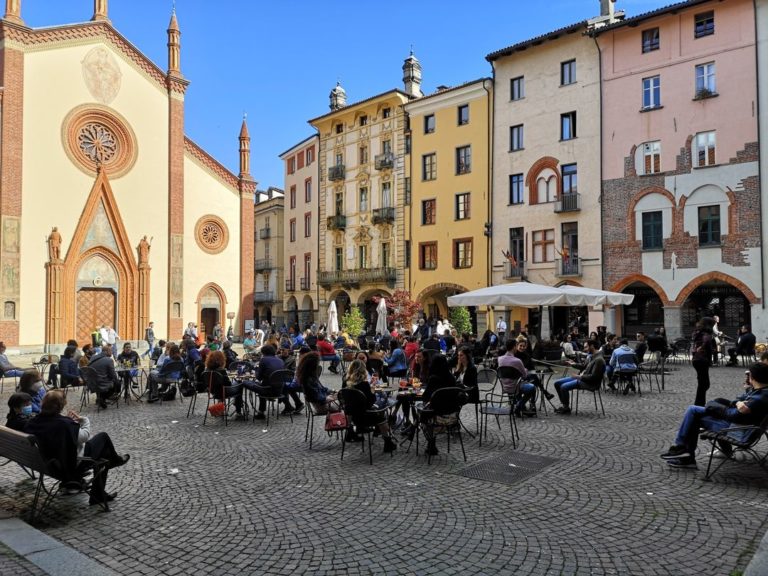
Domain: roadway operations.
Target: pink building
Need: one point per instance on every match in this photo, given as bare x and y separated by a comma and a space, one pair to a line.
681, 196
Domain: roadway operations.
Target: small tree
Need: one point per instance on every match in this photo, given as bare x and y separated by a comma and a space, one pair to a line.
461, 320
353, 322
400, 308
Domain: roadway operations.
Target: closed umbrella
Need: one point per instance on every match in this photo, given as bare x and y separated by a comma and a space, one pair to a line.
333, 318
381, 321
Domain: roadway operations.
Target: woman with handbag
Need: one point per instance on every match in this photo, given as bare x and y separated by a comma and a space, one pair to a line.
322, 399
357, 378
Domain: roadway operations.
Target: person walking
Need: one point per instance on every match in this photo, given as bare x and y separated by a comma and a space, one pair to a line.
149, 336
703, 350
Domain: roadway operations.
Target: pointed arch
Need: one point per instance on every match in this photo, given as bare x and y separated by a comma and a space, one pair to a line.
650, 282
531, 180
119, 254
716, 277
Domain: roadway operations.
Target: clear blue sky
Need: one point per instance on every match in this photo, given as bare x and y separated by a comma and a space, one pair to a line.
275, 59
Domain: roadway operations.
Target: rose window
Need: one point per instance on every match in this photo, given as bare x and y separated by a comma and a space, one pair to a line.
211, 234
97, 142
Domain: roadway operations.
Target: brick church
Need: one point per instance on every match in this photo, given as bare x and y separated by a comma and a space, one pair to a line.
109, 214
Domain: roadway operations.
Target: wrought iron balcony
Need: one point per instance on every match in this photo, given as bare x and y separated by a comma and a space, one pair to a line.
263, 264
383, 215
384, 161
305, 283
290, 285
338, 222
514, 270
336, 172
264, 297
568, 267
265, 233
358, 277
568, 203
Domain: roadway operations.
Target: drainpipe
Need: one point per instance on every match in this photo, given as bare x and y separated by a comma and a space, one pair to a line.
761, 155
489, 238
600, 127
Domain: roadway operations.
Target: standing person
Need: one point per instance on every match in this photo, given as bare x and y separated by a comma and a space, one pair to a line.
217, 332
149, 337
703, 350
104, 334
641, 348
501, 328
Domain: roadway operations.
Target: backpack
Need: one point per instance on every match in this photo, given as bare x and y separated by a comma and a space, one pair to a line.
187, 389
169, 394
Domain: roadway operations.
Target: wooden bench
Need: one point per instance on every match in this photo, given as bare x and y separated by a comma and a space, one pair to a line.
23, 450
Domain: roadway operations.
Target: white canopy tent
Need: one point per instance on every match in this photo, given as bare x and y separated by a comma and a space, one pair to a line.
581, 296
529, 295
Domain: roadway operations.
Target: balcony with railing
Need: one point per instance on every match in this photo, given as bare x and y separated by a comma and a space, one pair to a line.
336, 172
383, 215
265, 233
568, 267
358, 277
265, 296
514, 270
304, 283
568, 203
338, 222
290, 285
263, 264
384, 161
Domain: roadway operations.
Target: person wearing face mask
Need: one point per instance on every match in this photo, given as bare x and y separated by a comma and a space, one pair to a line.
20, 411
31, 383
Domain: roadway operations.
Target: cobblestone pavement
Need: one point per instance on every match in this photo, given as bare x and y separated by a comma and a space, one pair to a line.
255, 500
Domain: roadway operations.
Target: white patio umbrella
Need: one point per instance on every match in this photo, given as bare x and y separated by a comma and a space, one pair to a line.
581, 296
381, 321
523, 294
333, 318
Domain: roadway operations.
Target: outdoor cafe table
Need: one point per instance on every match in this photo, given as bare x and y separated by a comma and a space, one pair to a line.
126, 376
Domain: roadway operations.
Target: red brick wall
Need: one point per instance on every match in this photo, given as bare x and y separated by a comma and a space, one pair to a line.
247, 253
175, 202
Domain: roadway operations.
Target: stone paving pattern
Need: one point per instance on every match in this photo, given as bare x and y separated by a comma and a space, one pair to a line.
255, 500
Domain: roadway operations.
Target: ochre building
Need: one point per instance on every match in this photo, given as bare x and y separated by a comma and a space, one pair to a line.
109, 214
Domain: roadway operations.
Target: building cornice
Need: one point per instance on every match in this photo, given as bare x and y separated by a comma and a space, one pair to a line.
448, 97
355, 106
296, 147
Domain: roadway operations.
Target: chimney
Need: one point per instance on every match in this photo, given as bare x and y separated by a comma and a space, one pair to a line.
607, 8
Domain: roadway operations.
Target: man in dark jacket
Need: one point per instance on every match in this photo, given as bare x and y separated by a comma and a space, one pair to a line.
750, 408
589, 379
745, 346
268, 364
106, 377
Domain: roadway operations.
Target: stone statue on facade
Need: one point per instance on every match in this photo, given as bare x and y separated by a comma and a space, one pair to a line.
54, 245
143, 248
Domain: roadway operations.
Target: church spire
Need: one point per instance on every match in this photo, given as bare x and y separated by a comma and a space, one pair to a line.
174, 46
245, 150
100, 10
13, 11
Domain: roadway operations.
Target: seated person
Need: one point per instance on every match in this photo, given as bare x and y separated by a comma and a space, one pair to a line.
128, 358
750, 408
310, 339
269, 364
158, 351
623, 359
8, 370
362, 341
69, 371
215, 362
395, 364
31, 383
107, 382
86, 356
466, 374
568, 350
165, 374
229, 354
298, 341
522, 352
439, 377
410, 349
745, 345
641, 348
66, 438
288, 358
357, 378
523, 391
590, 378
193, 356
249, 343
19, 411
328, 352
432, 343
322, 399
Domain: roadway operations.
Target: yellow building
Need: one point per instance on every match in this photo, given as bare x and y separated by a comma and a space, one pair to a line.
449, 199
362, 196
270, 249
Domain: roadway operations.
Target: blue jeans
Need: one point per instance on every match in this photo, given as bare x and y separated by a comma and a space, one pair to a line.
14, 373
334, 360
693, 420
151, 344
526, 392
563, 386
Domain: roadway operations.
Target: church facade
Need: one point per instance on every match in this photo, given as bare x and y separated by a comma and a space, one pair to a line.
109, 214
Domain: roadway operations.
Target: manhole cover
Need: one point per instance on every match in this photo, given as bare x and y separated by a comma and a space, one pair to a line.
508, 468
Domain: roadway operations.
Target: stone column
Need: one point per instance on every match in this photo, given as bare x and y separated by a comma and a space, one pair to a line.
54, 302
545, 329
144, 270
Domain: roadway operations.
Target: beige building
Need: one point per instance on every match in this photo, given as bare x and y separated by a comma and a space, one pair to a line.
270, 249
546, 169
362, 196
300, 223
139, 219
